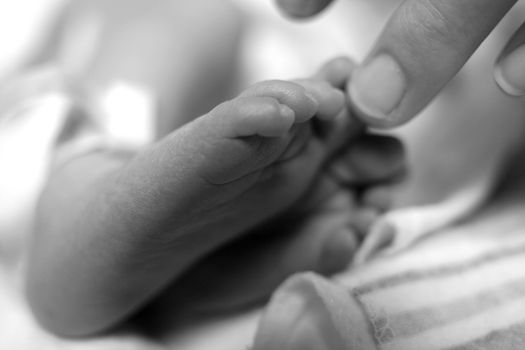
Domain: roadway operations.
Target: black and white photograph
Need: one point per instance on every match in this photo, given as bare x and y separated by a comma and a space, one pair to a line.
262, 175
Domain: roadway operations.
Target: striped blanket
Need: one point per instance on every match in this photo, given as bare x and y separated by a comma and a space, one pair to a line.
451, 306
460, 289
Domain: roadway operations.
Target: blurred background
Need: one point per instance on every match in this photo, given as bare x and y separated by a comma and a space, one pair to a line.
21, 25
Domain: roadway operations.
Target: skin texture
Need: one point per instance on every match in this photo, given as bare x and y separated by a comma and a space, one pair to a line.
168, 205
114, 230
113, 218
426, 42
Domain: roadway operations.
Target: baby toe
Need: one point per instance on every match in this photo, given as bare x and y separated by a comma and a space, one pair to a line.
250, 116
291, 94
331, 100
336, 71
263, 116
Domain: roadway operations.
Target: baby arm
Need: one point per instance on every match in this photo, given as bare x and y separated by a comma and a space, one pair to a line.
115, 229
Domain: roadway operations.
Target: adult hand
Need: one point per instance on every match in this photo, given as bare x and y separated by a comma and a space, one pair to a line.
422, 47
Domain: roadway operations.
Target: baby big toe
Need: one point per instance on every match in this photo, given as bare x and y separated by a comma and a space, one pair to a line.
331, 100
304, 104
250, 116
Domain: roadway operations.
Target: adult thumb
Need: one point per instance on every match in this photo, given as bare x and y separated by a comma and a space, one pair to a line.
510, 67
424, 44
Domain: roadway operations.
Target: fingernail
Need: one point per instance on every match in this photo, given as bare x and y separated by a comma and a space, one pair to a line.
338, 251
378, 88
510, 73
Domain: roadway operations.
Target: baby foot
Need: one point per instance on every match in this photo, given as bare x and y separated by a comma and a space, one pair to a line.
320, 232
237, 166
269, 149
275, 112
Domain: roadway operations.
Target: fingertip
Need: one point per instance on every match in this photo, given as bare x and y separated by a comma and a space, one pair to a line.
422, 47
336, 72
369, 116
376, 90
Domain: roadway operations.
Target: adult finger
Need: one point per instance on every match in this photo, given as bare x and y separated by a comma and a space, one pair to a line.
422, 47
302, 8
510, 67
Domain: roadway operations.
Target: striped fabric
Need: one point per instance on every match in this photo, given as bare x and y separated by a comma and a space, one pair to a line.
463, 288
450, 306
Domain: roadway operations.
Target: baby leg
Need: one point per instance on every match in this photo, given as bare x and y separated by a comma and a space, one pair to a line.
229, 170
145, 220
